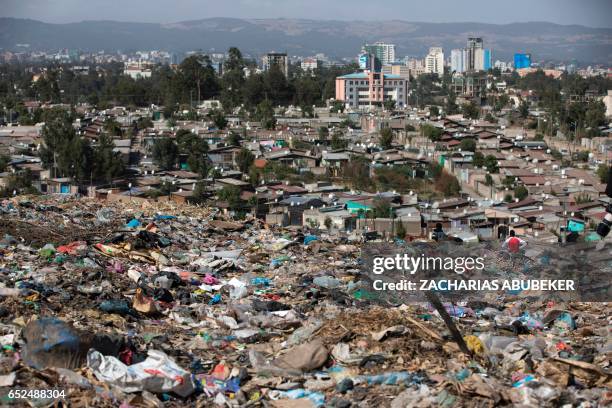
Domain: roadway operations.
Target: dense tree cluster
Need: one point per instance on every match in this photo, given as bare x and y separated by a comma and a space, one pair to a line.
554, 95
176, 89
67, 154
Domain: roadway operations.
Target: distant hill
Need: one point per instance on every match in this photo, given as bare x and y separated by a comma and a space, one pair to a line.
546, 41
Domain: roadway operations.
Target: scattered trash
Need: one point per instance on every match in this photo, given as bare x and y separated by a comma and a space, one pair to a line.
157, 374
156, 304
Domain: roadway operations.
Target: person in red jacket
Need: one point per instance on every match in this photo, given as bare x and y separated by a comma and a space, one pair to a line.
514, 244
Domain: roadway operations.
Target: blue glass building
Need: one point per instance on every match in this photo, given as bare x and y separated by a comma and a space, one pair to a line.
522, 61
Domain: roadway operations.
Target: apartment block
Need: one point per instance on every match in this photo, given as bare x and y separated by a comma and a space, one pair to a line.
367, 89
434, 61
276, 58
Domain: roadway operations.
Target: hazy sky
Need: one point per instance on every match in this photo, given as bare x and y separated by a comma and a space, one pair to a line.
594, 13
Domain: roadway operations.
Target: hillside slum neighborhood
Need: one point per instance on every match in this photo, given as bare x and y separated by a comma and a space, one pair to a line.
241, 287
342, 180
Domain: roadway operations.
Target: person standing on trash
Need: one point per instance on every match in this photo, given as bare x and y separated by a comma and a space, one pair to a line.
514, 244
438, 234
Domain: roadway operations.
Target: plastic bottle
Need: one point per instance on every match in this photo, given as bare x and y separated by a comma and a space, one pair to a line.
327, 282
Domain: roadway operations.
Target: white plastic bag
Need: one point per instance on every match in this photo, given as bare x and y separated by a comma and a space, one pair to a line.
157, 374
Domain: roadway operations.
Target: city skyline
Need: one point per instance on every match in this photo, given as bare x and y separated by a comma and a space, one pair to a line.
564, 12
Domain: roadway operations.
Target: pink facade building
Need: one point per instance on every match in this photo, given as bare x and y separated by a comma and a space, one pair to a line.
363, 90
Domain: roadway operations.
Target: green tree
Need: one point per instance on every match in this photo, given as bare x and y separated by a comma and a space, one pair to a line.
196, 74
451, 104
254, 176
108, 163
524, 109
337, 141
447, 184
231, 195
218, 118
400, 230
434, 111
244, 159
357, 172
233, 139
501, 102
431, 132
112, 127
62, 150
478, 159
4, 162
582, 156
336, 106
386, 138
389, 105
165, 153
20, 183
490, 118
521, 192
382, 208
144, 123
278, 89
323, 133
346, 123
491, 164
603, 172
468, 145
199, 192
470, 110
265, 115
595, 115
233, 80
196, 149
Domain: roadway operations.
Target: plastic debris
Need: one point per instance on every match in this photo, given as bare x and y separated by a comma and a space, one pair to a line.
158, 373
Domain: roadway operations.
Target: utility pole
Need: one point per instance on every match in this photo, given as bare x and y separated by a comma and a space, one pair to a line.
392, 222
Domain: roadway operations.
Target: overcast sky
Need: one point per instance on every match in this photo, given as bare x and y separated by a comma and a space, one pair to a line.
594, 13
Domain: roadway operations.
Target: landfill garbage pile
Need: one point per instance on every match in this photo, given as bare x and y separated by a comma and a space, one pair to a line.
125, 304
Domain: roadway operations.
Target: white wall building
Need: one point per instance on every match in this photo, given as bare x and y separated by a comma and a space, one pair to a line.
137, 70
434, 61
309, 64
458, 60
384, 52
608, 102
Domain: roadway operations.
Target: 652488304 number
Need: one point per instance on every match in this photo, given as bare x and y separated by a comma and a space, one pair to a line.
47, 393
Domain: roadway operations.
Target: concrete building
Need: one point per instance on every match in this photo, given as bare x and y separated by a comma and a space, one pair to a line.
309, 64
367, 89
276, 58
385, 53
472, 58
137, 70
458, 60
482, 59
469, 85
522, 61
554, 73
434, 61
415, 66
473, 44
608, 102
402, 71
